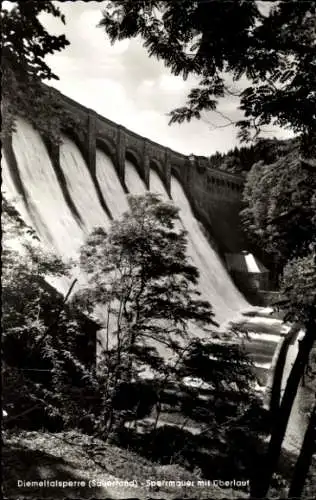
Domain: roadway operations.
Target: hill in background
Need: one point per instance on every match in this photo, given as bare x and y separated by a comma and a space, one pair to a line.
240, 160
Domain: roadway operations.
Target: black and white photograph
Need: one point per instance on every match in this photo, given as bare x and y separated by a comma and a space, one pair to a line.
158, 256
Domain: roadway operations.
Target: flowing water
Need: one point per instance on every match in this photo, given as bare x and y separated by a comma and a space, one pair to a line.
47, 209
215, 282
81, 187
133, 181
64, 206
157, 186
10, 191
110, 185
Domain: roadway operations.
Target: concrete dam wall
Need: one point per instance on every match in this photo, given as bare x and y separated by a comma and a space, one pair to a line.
215, 196
66, 190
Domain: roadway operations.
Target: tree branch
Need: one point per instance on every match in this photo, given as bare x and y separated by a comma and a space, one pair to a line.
49, 329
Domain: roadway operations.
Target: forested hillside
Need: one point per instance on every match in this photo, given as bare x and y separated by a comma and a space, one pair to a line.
240, 160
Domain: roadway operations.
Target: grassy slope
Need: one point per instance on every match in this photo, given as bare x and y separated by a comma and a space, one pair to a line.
70, 456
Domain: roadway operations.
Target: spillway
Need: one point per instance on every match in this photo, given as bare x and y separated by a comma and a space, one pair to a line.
156, 185
133, 181
64, 206
45, 203
10, 191
12, 195
61, 229
110, 185
214, 282
81, 187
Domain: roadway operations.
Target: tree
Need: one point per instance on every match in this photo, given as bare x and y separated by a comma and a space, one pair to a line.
212, 389
227, 377
45, 347
261, 483
140, 279
305, 458
275, 396
279, 198
240, 160
215, 40
280, 208
298, 289
276, 53
280, 217
25, 44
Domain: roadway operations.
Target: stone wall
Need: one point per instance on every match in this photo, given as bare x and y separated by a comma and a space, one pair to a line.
215, 196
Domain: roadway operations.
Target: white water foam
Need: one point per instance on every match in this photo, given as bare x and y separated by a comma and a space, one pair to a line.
133, 181
157, 186
47, 209
110, 185
55, 224
81, 187
215, 282
11, 193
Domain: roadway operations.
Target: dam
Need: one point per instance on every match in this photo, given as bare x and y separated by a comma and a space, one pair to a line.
65, 191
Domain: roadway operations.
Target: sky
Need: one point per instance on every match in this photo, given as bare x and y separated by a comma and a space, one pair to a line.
121, 83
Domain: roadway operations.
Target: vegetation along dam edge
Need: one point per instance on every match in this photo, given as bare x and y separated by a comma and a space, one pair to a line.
65, 191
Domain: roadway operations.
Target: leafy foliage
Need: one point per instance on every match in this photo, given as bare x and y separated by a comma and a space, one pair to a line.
139, 274
216, 39
298, 287
281, 216
45, 363
220, 403
274, 54
281, 207
142, 264
240, 159
25, 43
227, 385
139, 278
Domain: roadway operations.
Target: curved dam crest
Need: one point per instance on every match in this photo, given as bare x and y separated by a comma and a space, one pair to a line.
60, 231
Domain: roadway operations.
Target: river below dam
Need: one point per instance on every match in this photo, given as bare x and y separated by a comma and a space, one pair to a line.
265, 334
261, 342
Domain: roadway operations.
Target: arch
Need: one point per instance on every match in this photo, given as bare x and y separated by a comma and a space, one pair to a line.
106, 147
133, 157
177, 175
176, 172
74, 136
156, 167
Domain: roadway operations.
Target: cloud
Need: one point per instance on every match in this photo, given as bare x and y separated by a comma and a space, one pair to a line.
123, 84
